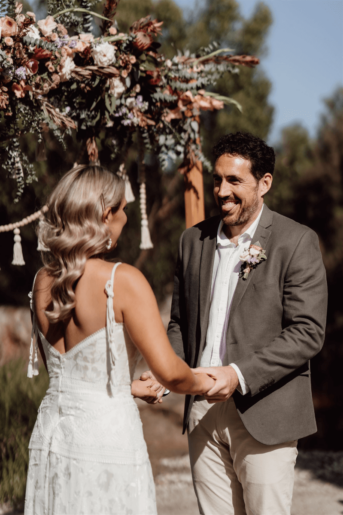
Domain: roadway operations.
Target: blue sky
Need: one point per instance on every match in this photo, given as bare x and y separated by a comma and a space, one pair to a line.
304, 60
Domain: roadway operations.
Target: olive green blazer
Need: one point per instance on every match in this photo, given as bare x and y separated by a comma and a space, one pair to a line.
276, 325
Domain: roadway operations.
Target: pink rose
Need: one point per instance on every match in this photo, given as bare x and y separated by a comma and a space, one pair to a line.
8, 27
47, 26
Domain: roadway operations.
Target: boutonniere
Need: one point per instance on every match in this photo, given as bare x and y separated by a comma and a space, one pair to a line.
250, 258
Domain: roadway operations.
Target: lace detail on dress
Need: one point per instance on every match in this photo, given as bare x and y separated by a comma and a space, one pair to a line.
87, 451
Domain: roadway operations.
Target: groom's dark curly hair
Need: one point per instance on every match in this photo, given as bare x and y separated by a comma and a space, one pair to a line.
250, 147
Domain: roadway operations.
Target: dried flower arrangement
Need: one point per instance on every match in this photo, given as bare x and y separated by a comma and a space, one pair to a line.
117, 82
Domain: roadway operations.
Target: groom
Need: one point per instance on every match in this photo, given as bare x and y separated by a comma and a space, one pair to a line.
253, 325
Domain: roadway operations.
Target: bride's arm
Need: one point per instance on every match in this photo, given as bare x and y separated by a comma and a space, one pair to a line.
143, 322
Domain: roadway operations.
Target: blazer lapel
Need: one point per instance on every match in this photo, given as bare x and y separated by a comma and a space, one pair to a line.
262, 235
205, 279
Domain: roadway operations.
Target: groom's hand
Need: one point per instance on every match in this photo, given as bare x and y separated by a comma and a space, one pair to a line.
156, 386
226, 382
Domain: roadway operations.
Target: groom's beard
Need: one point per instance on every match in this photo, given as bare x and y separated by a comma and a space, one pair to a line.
244, 214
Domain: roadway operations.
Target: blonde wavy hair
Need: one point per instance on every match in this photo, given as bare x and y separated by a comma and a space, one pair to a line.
74, 231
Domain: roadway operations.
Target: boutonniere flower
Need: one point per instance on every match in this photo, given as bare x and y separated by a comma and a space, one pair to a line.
250, 258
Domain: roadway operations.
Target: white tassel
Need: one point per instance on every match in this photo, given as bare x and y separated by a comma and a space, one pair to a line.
128, 191
29, 369
18, 258
129, 196
41, 247
146, 242
36, 362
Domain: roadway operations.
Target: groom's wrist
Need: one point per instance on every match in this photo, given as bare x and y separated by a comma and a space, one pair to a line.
242, 386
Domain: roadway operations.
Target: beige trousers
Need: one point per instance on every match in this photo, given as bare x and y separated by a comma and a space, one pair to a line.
234, 474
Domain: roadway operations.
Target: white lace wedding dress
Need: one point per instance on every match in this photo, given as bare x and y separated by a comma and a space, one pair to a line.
87, 451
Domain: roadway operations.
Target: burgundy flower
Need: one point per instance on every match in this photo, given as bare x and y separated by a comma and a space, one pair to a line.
32, 65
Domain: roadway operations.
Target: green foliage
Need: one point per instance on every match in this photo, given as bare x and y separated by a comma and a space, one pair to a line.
216, 21
308, 188
20, 398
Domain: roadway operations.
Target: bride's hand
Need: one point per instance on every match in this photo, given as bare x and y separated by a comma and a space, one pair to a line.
147, 390
206, 382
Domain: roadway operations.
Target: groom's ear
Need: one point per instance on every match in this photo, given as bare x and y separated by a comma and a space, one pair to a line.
265, 184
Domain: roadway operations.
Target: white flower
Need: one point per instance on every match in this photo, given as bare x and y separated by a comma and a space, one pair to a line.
243, 257
67, 68
103, 54
47, 26
169, 64
117, 87
130, 102
33, 32
254, 252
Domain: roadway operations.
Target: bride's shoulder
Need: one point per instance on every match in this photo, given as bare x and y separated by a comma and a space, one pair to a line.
99, 269
42, 280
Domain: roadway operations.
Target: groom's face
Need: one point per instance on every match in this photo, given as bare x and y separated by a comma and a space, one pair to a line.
236, 191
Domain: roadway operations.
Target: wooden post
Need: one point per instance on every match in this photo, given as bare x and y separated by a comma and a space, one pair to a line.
194, 196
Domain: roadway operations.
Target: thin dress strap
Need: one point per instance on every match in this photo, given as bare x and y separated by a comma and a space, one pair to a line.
33, 366
110, 333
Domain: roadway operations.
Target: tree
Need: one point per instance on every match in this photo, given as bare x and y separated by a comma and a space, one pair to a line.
308, 188
220, 20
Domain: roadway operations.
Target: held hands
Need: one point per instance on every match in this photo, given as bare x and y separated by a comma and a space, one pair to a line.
148, 388
225, 382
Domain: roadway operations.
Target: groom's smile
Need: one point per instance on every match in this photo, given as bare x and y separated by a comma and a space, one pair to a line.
236, 191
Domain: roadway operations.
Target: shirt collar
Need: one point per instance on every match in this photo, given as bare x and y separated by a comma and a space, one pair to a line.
223, 240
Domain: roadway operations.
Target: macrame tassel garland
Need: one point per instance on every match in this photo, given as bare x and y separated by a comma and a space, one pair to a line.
41, 247
128, 190
146, 242
129, 196
18, 258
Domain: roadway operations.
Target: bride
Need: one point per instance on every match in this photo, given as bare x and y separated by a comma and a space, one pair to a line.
92, 320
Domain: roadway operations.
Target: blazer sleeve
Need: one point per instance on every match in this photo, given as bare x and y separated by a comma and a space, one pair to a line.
304, 319
175, 329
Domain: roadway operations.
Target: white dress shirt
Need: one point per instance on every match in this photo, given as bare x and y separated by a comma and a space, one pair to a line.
225, 277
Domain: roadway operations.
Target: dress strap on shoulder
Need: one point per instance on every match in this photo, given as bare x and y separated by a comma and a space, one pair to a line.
113, 272
31, 292
110, 331
33, 367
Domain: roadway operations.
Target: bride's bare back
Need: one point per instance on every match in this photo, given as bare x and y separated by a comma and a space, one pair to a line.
134, 305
